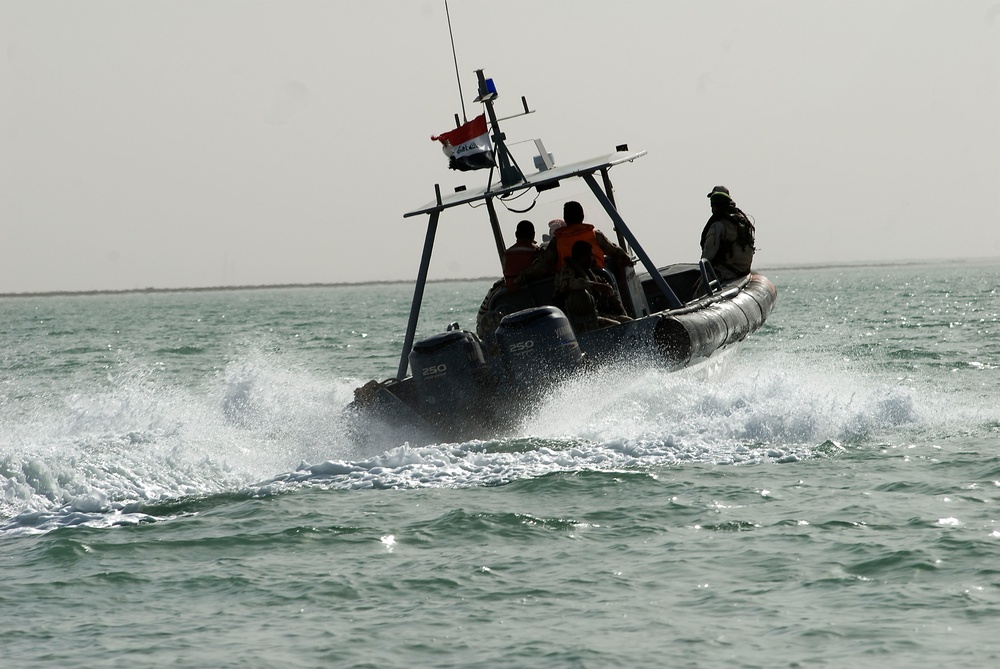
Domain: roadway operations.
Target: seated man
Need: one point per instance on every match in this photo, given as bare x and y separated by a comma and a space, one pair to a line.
519, 257
564, 238
554, 225
590, 302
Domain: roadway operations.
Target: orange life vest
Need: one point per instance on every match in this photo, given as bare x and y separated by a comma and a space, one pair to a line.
566, 236
516, 259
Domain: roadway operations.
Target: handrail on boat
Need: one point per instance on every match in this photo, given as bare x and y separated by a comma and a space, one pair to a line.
708, 276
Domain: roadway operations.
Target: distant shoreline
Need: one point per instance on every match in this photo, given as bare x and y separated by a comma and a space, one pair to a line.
206, 289
342, 284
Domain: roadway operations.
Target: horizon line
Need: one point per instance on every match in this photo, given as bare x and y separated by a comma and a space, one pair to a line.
339, 284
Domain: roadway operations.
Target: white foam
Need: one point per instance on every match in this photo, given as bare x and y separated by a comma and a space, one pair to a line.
140, 441
262, 426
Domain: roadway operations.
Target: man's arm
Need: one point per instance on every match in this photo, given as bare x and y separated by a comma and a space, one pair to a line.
611, 249
712, 241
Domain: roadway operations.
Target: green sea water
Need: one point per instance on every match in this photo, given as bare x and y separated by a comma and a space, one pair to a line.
178, 487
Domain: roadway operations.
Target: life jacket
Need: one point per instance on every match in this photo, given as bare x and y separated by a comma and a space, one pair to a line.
566, 236
516, 259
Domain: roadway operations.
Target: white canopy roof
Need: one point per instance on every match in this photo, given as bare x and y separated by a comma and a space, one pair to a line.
540, 179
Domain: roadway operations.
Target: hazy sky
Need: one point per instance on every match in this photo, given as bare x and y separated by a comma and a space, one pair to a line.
182, 143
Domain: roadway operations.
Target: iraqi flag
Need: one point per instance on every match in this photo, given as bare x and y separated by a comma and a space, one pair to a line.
468, 146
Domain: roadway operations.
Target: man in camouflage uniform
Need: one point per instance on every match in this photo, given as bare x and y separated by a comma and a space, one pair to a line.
590, 302
728, 238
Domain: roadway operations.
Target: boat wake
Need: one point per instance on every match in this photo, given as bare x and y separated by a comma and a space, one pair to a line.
109, 458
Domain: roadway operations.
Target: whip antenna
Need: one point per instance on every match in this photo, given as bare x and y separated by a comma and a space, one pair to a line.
455, 57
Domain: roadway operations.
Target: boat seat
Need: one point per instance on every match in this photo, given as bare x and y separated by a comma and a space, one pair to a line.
682, 282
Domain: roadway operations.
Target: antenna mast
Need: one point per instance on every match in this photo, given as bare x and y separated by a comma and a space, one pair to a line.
454, 55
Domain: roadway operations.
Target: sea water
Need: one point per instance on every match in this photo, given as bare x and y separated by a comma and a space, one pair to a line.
179, 488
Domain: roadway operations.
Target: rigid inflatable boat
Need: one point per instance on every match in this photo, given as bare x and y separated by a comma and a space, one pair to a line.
460, 384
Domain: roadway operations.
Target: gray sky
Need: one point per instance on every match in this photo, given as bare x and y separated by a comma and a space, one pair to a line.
184, 143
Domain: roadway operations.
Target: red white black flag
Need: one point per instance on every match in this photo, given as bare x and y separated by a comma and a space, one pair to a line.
468, 146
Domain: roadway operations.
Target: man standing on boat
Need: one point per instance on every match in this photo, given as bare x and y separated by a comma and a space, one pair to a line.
519, 257
554, 256
727, 240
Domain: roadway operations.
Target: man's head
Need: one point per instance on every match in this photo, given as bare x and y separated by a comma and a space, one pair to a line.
720, 198
583, 253
572, 212
525, 231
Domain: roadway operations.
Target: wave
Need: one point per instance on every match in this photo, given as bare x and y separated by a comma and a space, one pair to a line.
263, 427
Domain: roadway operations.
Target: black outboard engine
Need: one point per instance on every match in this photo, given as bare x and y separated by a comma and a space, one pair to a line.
538, 346
448, 370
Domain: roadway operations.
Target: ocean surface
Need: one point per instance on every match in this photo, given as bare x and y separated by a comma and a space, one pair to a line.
178, 488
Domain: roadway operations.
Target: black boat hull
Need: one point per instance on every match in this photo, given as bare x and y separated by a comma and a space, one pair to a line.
463, 388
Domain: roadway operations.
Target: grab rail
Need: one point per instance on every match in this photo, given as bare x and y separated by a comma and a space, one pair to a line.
708, 277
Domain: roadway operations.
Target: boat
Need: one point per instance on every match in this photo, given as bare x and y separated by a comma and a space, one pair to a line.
459, 384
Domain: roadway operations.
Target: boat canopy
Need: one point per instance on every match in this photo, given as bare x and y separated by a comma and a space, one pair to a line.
542, 180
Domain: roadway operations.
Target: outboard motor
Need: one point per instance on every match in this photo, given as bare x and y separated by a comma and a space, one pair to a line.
538, 345
447, 370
